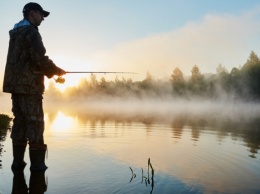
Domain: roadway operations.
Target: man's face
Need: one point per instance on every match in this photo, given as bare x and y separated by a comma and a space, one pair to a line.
36, 17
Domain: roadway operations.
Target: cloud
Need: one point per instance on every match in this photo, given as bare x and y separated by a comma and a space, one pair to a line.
216, 39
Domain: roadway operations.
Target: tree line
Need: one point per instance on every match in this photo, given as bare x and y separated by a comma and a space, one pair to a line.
242, 83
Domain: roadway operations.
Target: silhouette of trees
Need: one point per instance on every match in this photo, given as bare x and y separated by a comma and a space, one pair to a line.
243, 83
196, 82
250, 77
222, 79
178, 82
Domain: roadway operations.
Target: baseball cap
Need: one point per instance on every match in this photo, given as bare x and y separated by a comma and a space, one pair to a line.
35, 6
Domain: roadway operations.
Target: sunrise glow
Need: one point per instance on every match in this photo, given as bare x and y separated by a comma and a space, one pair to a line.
68, 64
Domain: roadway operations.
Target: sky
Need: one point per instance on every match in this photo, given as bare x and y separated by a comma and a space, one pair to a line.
141, 35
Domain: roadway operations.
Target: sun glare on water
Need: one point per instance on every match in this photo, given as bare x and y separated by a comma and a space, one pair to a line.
62, 123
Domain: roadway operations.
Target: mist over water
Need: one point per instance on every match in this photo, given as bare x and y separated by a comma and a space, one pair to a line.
166, 110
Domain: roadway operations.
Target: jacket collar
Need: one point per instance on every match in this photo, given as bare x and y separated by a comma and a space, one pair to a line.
24, 22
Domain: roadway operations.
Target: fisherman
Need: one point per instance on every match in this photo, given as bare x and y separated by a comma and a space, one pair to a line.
26, 55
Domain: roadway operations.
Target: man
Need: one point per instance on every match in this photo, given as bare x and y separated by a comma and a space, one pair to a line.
25, 59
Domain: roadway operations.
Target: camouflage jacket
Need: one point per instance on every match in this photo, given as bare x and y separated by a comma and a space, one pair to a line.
26, 54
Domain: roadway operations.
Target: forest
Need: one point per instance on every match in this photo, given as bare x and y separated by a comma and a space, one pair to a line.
240, 83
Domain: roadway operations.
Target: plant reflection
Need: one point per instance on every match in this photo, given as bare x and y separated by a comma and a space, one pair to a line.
2, 138
133, 175
4, 126
144, 178
37, 183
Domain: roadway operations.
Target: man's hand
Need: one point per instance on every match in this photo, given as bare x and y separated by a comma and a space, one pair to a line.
61, 72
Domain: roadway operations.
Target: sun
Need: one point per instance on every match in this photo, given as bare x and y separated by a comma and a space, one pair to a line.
74, 64
68, 64
70, 81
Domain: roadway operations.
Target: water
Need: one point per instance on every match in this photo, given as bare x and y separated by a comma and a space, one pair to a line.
93, 153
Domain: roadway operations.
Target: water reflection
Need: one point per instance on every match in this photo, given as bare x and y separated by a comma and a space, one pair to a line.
247, 130
61, 122
198, 152
19, 183
37, 184
94, 150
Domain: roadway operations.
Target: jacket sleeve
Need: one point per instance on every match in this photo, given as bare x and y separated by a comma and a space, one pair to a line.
40, 61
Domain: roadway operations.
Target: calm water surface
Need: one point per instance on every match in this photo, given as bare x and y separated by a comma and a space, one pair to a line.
94, 154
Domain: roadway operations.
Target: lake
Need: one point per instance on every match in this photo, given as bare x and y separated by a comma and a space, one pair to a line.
144, 150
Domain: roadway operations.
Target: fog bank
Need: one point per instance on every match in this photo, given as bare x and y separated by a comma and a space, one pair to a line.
162, 110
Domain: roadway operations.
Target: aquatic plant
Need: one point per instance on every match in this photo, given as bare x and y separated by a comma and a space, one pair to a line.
145, 179
133, 174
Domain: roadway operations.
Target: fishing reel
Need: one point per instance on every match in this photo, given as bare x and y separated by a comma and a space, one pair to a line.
60, 80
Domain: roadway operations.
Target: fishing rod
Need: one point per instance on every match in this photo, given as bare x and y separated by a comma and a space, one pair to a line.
104, 72
61, 80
